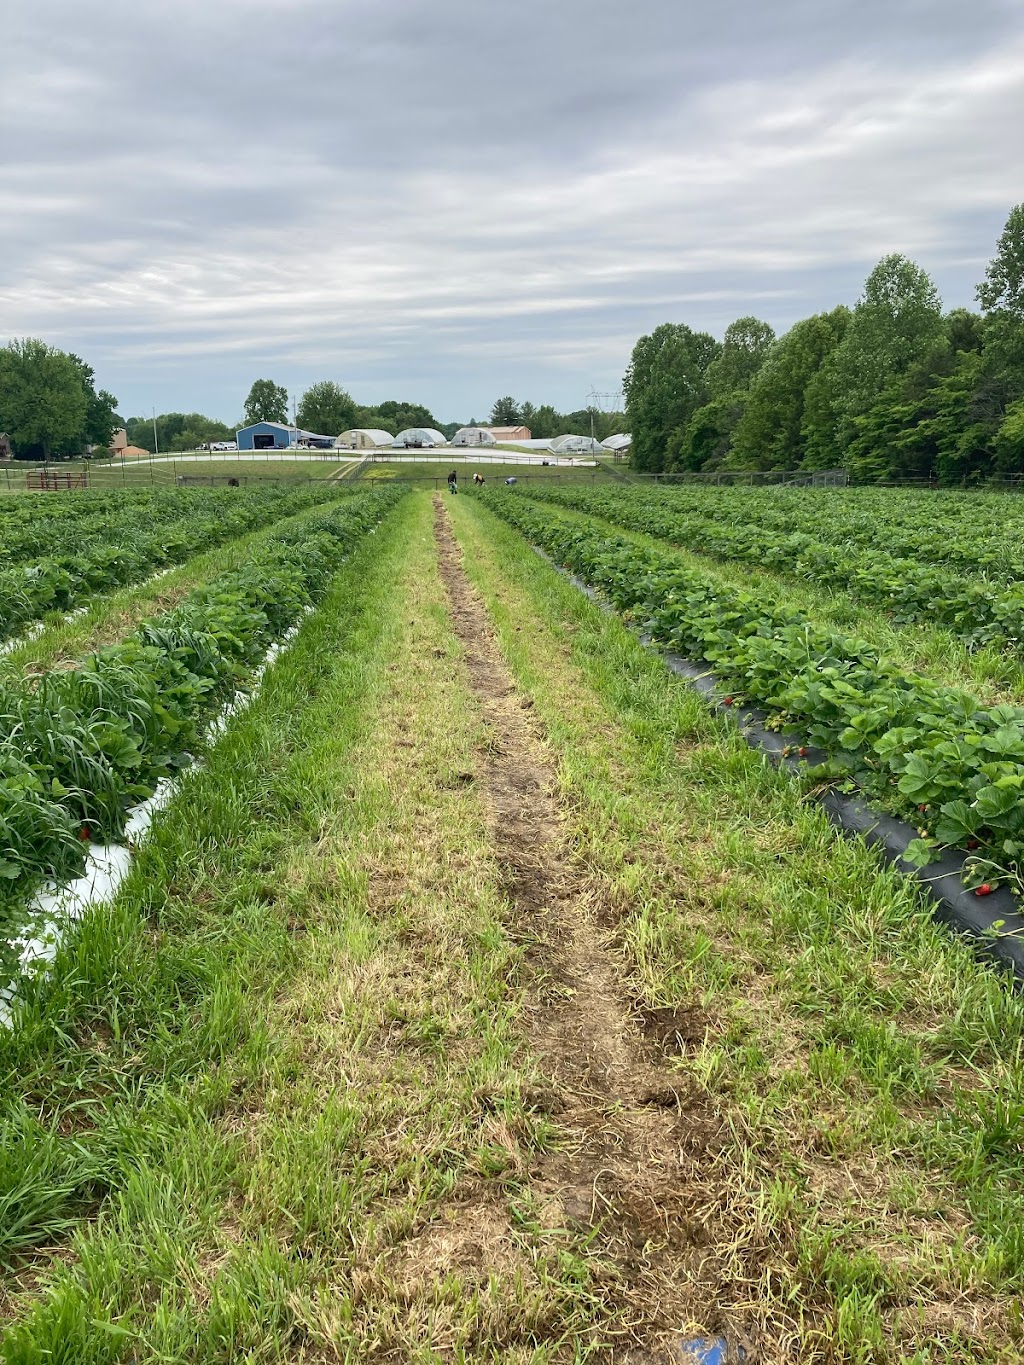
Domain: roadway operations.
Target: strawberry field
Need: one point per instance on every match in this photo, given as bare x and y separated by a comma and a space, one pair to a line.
401, 962
931, 753
53, 558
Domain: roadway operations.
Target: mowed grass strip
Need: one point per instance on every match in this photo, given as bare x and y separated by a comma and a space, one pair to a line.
864, 1066
275, 1104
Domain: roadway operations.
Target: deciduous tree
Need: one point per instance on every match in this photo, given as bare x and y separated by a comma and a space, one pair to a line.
745, 347
326, 409
267, 402
43, 402
1001, 295
769, 434
665, 384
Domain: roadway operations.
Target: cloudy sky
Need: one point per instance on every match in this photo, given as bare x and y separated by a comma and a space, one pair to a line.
452, 200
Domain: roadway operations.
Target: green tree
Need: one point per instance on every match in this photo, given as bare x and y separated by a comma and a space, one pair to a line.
745, 347
769, 434
43, 403
664, 385
506, 413
897, 320
819, 425
546, 423
706, 440
101, 419
395, 415
326, 409
1009, 440
1001, 295
177, 431
267, 402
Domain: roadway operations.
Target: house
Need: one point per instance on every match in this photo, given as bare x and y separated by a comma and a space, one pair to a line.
509, 433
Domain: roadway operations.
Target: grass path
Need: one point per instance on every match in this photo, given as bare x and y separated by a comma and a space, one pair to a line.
276, 1103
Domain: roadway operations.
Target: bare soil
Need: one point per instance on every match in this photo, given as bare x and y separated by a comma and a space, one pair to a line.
636, 1136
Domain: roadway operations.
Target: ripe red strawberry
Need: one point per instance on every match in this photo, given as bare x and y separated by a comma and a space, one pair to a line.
728, 701
984, 889
973, 843
802, 751
922, 809
84, 834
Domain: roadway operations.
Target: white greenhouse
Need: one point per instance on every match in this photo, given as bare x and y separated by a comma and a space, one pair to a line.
363, 438
473, 436
575, 445
618, 443
418, 438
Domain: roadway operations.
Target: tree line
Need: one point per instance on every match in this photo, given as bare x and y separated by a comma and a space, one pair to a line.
893, 388
325, 408
51, 409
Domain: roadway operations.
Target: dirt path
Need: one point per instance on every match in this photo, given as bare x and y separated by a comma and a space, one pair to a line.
636, 1136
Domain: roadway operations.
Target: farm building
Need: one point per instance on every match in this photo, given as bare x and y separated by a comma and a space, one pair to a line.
619, 443
509, 433
363, 438
473, 436
418, 438
279, 436
575, 445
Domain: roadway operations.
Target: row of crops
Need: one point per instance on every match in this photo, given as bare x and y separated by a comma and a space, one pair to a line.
52, 560
975, 609
980, 535
79, 748
932, 754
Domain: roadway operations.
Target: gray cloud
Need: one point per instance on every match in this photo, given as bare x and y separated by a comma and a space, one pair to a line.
453, 200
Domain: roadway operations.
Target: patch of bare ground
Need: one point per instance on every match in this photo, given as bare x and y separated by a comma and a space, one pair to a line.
640, 1141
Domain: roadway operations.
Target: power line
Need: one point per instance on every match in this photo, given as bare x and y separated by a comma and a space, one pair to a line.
605, 402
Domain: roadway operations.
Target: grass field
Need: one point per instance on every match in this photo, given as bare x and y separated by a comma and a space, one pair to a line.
168, 470
483, 996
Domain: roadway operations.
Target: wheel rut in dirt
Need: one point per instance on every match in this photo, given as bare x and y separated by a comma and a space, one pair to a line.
635, 1133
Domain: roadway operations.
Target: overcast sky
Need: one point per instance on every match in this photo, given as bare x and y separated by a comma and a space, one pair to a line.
453, 200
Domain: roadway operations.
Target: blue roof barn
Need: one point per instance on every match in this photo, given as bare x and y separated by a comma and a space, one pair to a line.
280, 436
